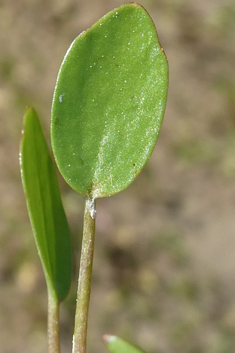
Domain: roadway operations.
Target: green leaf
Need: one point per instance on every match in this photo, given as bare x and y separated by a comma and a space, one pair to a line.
45, 208
115, 344
109, 102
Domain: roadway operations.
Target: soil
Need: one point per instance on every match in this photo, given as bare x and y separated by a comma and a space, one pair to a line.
164, 267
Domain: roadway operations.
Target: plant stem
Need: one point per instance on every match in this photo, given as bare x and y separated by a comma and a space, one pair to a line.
84, 280
53, 325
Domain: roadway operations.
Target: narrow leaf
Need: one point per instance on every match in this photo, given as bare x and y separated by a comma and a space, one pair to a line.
45, 208
115, 344
109, 102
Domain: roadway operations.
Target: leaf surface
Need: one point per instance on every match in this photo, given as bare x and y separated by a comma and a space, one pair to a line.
115, 344
109, 102
45, 207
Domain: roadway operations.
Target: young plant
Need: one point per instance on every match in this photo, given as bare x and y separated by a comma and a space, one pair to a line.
107, 112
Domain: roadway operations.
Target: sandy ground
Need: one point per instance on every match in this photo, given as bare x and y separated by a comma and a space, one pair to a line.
164, 267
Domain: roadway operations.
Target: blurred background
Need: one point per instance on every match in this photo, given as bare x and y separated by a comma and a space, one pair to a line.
164, 267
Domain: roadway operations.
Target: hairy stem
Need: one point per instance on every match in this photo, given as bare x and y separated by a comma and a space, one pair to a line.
84, 280
53, 325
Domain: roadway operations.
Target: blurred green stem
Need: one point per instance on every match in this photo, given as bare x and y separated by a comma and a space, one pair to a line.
53, 325
84, 280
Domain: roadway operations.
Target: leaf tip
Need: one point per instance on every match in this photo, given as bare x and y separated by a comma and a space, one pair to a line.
108, 338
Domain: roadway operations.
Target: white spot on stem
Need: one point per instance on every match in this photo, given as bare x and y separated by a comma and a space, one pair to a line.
73, 345
91, 207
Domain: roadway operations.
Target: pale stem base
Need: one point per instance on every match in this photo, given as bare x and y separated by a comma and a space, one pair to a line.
53, 325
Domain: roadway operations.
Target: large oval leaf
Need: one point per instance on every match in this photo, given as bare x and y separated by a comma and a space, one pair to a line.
115, 344
45, 208
109, 102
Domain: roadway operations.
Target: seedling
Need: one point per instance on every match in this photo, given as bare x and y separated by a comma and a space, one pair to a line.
107, 112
